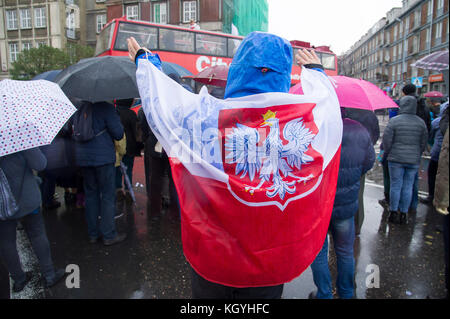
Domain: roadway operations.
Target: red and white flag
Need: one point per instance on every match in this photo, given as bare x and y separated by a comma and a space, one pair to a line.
256, 176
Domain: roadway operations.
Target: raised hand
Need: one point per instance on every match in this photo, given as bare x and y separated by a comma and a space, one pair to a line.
304, 56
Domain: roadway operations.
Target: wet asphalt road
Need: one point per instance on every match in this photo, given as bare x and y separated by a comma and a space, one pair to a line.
151, 264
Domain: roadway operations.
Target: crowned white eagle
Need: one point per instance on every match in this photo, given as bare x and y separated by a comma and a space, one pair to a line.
272, 159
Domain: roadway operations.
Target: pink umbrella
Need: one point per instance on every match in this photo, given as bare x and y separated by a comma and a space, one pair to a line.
356, 93
433, 94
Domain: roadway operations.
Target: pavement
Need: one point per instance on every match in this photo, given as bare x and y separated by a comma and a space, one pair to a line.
392, 261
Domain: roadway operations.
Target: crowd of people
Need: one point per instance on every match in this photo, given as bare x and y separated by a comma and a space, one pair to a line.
87, 164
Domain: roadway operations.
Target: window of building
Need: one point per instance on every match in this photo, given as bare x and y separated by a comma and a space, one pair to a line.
395, 32
27, 45
13, 52
399, 72
133, 12
417, 15
428, 37
160, 13
440, 5
101, 21
11, 19
407, 26
438, 34
41, 43
40, 20
189, 11
70, 24
25, 18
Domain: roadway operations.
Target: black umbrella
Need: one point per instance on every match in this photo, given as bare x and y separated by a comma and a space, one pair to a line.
100, 79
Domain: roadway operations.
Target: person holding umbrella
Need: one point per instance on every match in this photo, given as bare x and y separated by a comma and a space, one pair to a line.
26, 123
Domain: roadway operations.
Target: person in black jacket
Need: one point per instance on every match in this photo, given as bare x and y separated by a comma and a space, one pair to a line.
369, 120
357, 157
129, 120
158, 175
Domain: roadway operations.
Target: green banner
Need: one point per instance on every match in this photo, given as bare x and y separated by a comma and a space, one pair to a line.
246, 15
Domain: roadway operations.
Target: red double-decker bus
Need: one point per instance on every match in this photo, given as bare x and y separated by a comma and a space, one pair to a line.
195, 50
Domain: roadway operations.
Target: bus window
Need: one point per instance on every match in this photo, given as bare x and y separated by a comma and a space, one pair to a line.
175, 40
104, 39
233, 45
328, 61
210, 44
145, 35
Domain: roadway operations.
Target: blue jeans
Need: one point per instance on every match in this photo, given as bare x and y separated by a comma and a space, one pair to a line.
415, 194
100, 199
343, 232
402, 181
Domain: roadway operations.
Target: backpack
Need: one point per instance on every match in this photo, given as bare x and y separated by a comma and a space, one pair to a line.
82, 124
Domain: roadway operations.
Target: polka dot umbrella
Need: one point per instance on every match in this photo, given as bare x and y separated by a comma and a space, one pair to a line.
31, 114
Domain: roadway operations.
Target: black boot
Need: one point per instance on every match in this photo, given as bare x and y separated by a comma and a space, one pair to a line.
403, 218
18, 286
394, 217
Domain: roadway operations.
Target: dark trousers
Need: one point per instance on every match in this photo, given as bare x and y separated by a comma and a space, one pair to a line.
161, 182
100, 200
48, 186
120, 179
204, 289
359, 216
34, 227
432, 171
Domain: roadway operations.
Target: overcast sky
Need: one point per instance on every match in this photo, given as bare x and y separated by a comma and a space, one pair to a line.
338, 23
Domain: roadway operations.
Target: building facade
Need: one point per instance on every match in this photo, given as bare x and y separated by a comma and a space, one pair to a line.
385, 53
207, 13
26, 24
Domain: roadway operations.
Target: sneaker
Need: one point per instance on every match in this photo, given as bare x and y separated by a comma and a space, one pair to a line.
50, 282
18, 286
118, 239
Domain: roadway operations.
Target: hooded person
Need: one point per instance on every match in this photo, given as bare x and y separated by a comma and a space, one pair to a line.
249, 170
404, 140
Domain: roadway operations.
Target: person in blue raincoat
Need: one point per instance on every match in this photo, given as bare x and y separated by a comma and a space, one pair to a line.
262, 64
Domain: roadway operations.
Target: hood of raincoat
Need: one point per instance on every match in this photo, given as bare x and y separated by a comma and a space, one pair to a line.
408, 105
262, 63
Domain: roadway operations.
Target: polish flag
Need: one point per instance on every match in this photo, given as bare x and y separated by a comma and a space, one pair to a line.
256, 175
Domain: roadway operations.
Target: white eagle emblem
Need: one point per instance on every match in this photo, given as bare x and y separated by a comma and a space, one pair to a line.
272, 159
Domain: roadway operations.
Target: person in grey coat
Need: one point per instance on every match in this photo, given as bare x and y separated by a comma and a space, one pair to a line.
17, 168
404, 140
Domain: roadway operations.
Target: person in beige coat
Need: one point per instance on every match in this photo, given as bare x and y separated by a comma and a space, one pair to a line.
440, 201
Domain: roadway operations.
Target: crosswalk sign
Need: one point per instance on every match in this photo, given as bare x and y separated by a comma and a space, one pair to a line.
417, 81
